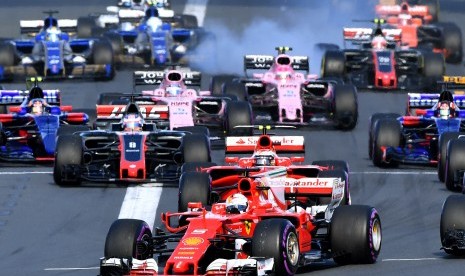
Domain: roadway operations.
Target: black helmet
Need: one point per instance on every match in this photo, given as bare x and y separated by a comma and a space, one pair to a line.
36, 93
151, 12
50, 22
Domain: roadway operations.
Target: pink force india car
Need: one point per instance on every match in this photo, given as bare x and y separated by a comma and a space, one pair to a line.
173, 100
282, 95
307, 207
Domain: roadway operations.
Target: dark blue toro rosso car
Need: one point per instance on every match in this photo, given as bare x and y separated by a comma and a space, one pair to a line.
50, 49
35, 119
419, 137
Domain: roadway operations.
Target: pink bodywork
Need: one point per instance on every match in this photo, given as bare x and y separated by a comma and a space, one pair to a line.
180, 107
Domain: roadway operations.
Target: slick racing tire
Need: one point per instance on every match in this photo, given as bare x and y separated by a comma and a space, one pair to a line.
196, 148
217, 82
277, 238
116, 42
102, 53
7, 54
85, 27
236, 88
195, 129
452, 218
355, 234
194, 187
344, 176
70, 129
195, 166
433, 70
452, 41
68, 152
455, 161
442, 152
387, 133
237, 114
345, 106
371, 126
127, 239
333, 64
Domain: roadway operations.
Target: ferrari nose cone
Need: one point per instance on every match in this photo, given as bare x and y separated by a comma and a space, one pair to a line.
181, 267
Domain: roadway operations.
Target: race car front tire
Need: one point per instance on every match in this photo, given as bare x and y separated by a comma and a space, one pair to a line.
355, 234
345, 106
333, 64
68, 152
387, 133
371, 126
124, 240
196, 148
116, 42
433, 70
442, 152
277, 238
193, 187
455, 161
452, 218
102, 53
238, 113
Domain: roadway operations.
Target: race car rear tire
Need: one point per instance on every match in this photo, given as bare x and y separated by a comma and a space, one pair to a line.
68, 152
442, 152
452, 218
433, 70
189, 21
333, 64
372, 121
123, 239
277, 238
70, 129
194, 187
452, 41
237, 114
196, 148
217, 82
355, 234
387, 133
85, 27
336, 173
236, 88
195, 129
7, 54
345, 106
455, 161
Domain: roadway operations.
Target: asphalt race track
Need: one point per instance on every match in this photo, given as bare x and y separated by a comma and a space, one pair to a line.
48, 230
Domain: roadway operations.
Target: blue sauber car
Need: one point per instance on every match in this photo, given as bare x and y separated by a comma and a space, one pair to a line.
50, 49
29, 131
421, 136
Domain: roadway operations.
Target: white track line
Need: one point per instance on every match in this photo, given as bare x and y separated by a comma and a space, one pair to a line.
397, 172
141, 203
70, 268
197, 8
25, 172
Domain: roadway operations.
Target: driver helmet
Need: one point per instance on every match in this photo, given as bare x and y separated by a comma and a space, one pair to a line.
132, 122
52, 34
153, 23
173, 90
446, 109
379, 42
236, 204
151, 12
264, 159
37, 106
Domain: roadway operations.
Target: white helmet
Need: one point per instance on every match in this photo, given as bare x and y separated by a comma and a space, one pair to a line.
174, 90
236, 204
52, 34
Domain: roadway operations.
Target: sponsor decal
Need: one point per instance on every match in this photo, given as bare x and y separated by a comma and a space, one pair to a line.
179, 104
314, 85
199, 231
208, 103
240, 141
248, 226
276, 140
186, 253
183, 258
288, 86
193, 241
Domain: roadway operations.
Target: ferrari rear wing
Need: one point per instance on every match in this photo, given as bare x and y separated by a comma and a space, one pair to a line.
264, 62
31, 27
282, 144
190, 78
17, 97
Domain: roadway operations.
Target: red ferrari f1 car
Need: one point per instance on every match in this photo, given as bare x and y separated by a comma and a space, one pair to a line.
251, 219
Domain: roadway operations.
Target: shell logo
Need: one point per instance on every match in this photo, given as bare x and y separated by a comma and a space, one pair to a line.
193, 241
